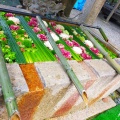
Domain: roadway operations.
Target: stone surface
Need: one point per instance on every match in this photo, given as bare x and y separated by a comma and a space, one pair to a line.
97, 108
17, 79
101, 68
57, 84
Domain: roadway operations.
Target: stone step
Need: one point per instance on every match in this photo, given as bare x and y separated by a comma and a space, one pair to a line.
91, 111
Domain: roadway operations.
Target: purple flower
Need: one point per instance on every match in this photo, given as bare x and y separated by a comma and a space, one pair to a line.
76, 44
33, 19
95, 50
14, 27
42, 37
9, 15
69, 43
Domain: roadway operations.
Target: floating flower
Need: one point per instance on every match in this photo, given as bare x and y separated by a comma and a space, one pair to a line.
48, 29
32, 23
59, 27
47, 44
95, 50
14, 27
45, 23
88, 43
4, 39
36, 29
58, 31
76, 44
86, 56
83, 49
54, 36
42, 37
77, 50
33, 19
9, 15
14, 19
52, 23
61, 46
64, 36
66, 53
69, 43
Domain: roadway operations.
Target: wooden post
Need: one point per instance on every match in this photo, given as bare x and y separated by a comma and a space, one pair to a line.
98, 4
112, 12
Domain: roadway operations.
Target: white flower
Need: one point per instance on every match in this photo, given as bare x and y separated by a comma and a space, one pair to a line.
14, 19
47, 44
64, 36
45, 23
54, 36
77, 50
89, 43
58, 26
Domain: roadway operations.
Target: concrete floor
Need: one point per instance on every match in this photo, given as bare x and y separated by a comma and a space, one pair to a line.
112, 29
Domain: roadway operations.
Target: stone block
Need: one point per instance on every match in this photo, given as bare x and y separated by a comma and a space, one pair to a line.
57, 84
101, 68
93, 110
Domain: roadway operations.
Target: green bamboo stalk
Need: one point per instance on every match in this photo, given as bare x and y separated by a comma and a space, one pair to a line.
103, 34
111, 61
64, 62
8, 93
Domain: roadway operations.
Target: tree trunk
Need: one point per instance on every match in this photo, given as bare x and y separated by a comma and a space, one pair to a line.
94, 11
68, 6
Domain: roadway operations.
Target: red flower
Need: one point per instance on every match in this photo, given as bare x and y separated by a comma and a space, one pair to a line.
14, 27
69, 43
4, 39
9, 15
19, 43
95, 50
76, 44
58, 31
22, 49
42, 37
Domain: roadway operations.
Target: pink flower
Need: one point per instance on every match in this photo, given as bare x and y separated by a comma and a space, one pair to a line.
32, 23
42, 37
36, 29
33, 19
22, 49
75, 43
14, 27
95, 50
9, 15
86, 56
69, 43
58, 31
61, 46
49, 29
19, 43
52, 23
66, 53
83, 49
